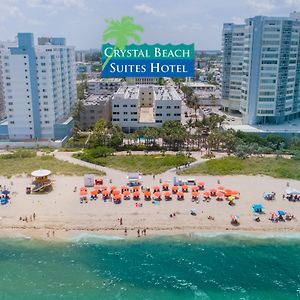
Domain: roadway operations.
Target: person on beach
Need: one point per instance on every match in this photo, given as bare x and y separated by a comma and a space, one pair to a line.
138, 233
34, 216
125, 231
121, 221
30, 218
145, 232
48, 234
53, 233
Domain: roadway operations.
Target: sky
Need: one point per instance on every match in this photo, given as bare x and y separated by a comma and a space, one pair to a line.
82, 22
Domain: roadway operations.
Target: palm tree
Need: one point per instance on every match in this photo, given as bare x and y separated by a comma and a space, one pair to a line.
121, 31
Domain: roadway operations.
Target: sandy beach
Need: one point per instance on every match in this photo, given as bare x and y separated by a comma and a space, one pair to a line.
60, 210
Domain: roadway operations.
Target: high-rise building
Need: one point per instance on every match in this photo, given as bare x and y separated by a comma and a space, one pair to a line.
39, 88
268, 88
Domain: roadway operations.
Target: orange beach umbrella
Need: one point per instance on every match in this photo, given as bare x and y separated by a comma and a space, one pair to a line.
126, 193
165, 184
175, 188
136, 194
195, 188
105, 193
201, 183
83, 192
167, 194
195, 194
221, 188
136, 188
94, 192
116, 192
117, 197
157, 194
180, 193
147, 194
206, 193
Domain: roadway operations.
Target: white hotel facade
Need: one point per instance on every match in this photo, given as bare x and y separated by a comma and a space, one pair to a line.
140, 106
38, 89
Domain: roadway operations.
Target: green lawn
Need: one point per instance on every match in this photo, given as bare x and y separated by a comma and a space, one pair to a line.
146, 164
275, 167
16, 166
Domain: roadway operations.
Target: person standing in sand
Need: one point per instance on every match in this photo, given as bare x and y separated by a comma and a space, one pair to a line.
121, 221
53, 233
138, 233
34, 216
125, 231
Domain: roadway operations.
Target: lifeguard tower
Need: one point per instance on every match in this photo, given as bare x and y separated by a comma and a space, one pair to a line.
41, 180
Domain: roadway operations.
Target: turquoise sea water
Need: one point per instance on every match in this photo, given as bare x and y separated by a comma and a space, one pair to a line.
197, 267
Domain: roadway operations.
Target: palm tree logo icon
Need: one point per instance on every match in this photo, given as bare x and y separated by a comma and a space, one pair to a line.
121, 31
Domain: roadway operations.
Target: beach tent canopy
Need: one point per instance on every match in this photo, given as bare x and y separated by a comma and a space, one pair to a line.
175, 188
167, 194
206, 193
115, 192
180, 193
291, 191
94, 192
89, 180
117, 196
221, 187
195, 194
156, 188
147, 194
213, 190
41, 173
83, 193
281, 212
105, 193
126, 193
195, 188
257, 207
219, 194
201, 183
165, 184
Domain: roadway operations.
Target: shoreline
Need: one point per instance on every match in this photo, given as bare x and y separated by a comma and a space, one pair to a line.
109, 234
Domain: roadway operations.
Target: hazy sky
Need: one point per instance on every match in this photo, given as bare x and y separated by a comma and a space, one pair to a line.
82, 22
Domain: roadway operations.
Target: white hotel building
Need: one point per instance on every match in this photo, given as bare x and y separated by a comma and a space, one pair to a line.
38, 87
135, 107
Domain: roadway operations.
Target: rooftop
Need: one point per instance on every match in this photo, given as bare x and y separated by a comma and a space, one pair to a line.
105, 80
95, 99
160, 92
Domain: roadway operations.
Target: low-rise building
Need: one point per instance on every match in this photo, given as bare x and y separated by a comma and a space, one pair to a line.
135, 107
208, 94
95, 107
103, 86
142, 80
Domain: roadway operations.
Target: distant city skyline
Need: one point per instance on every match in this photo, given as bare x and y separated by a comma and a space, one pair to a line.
82, 22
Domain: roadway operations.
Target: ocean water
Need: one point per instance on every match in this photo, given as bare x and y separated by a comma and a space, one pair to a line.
195, 267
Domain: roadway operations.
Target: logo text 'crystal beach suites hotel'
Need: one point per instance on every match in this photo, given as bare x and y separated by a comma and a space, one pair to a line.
144, 60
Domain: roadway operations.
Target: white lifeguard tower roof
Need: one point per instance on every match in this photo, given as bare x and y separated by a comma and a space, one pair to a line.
41, 173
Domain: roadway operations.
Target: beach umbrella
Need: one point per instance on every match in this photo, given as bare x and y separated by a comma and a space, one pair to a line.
5, 192
156, 188
195, 188
227, 192
221, 188
219, 194
136, 188
105, 193
94, 193
175, 188
213, 191
147, 194
113, 187
117, 197
167, 194
124, 188
195, 194
136, 194
206, 193
83, 192
116, 192
126, 193
180, 193
83, 188
157, 194
103, 187
165, 184
185, 187
234, 192
281, 212
201, 183
97, 187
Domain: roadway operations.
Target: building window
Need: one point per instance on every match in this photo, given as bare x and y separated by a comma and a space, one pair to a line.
125, 105
125, 120
159, 107
116, 105
132, 105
